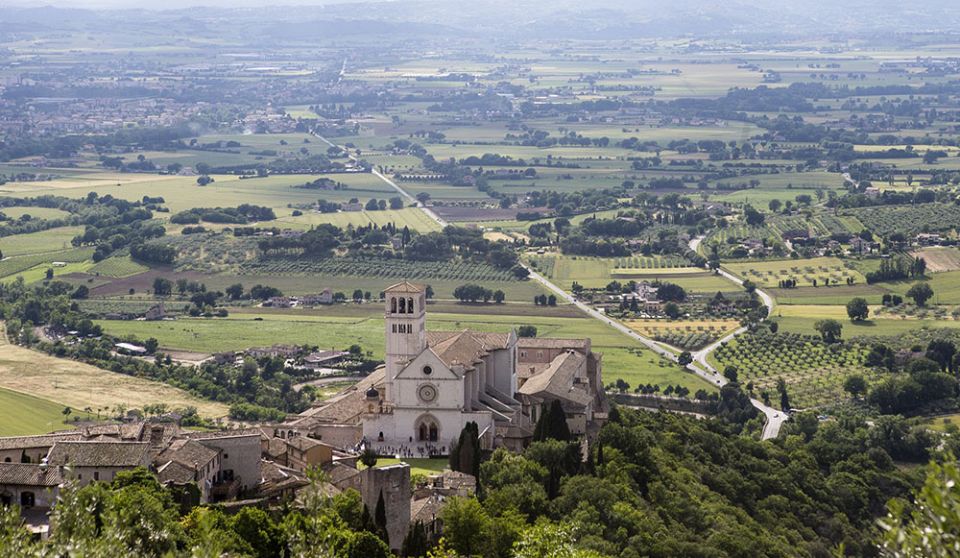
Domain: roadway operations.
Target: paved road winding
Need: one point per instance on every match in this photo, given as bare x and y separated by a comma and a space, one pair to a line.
775, 418
699, 366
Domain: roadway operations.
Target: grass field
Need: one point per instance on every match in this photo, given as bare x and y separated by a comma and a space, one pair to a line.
598, 272
39, 242
623, 358
182, 192
805, 272
35, 264
801, 319
117, 266
943, 422
418, 465
939, 258
23, 415
946, 287
840, 294
80, 385
35, 212
410, 217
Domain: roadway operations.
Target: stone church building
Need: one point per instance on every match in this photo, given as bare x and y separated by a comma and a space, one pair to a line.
435, 382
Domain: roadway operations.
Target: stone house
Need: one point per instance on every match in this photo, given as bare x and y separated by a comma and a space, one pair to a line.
98, 460
304, 453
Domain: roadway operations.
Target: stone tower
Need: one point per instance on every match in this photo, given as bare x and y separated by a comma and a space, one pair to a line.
405, 317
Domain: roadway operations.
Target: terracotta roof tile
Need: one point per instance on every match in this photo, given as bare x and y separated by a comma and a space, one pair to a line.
99, 454
557, 380
27, 474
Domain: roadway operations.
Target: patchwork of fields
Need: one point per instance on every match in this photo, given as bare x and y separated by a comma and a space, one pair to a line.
622, 357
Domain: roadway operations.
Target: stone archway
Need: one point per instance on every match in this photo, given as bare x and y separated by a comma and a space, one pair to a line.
427, 428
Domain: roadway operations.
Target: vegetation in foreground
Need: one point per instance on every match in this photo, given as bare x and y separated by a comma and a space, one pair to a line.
655, 484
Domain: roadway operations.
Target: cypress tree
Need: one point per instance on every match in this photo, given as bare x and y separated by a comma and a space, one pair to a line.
366, 521
553, 425
380, 519
415, 544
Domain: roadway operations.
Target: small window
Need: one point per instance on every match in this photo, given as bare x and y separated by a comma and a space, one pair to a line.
226, 456
427, 370
96, 475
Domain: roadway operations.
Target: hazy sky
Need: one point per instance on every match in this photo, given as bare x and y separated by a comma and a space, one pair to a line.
163, 4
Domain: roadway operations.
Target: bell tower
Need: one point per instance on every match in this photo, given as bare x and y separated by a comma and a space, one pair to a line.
405, 317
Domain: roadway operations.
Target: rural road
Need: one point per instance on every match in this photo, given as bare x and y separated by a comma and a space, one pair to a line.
700, 366
775, 418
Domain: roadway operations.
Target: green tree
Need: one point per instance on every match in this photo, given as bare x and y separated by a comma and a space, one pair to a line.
857, 309
465, 525
552, 424
162, 286
368, 457
380, 519
527, 331
855, 385
465, 455
829, 330
550, 541
920, 293
415, 544
235, 291
255, 526
151, 344
930, 529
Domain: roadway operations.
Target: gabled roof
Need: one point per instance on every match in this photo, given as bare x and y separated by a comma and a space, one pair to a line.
41, 441
490, 341
304, 443
404, 287
189, 453
347, 405
557, 380
463, 349
26, 474
177, 473
552, 343
426, 509
99, 454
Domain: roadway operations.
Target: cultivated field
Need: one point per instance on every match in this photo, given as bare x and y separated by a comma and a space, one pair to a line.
682, 333
939, 258
329, 328
813, 372
39, 242
594, 272
79, 385
22, 414
769, 273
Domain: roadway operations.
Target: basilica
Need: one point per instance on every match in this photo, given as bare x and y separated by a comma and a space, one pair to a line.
435, 382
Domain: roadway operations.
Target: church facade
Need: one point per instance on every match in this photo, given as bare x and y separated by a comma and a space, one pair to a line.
435, 382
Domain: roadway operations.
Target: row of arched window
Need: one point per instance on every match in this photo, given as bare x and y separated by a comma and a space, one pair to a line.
401, 305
